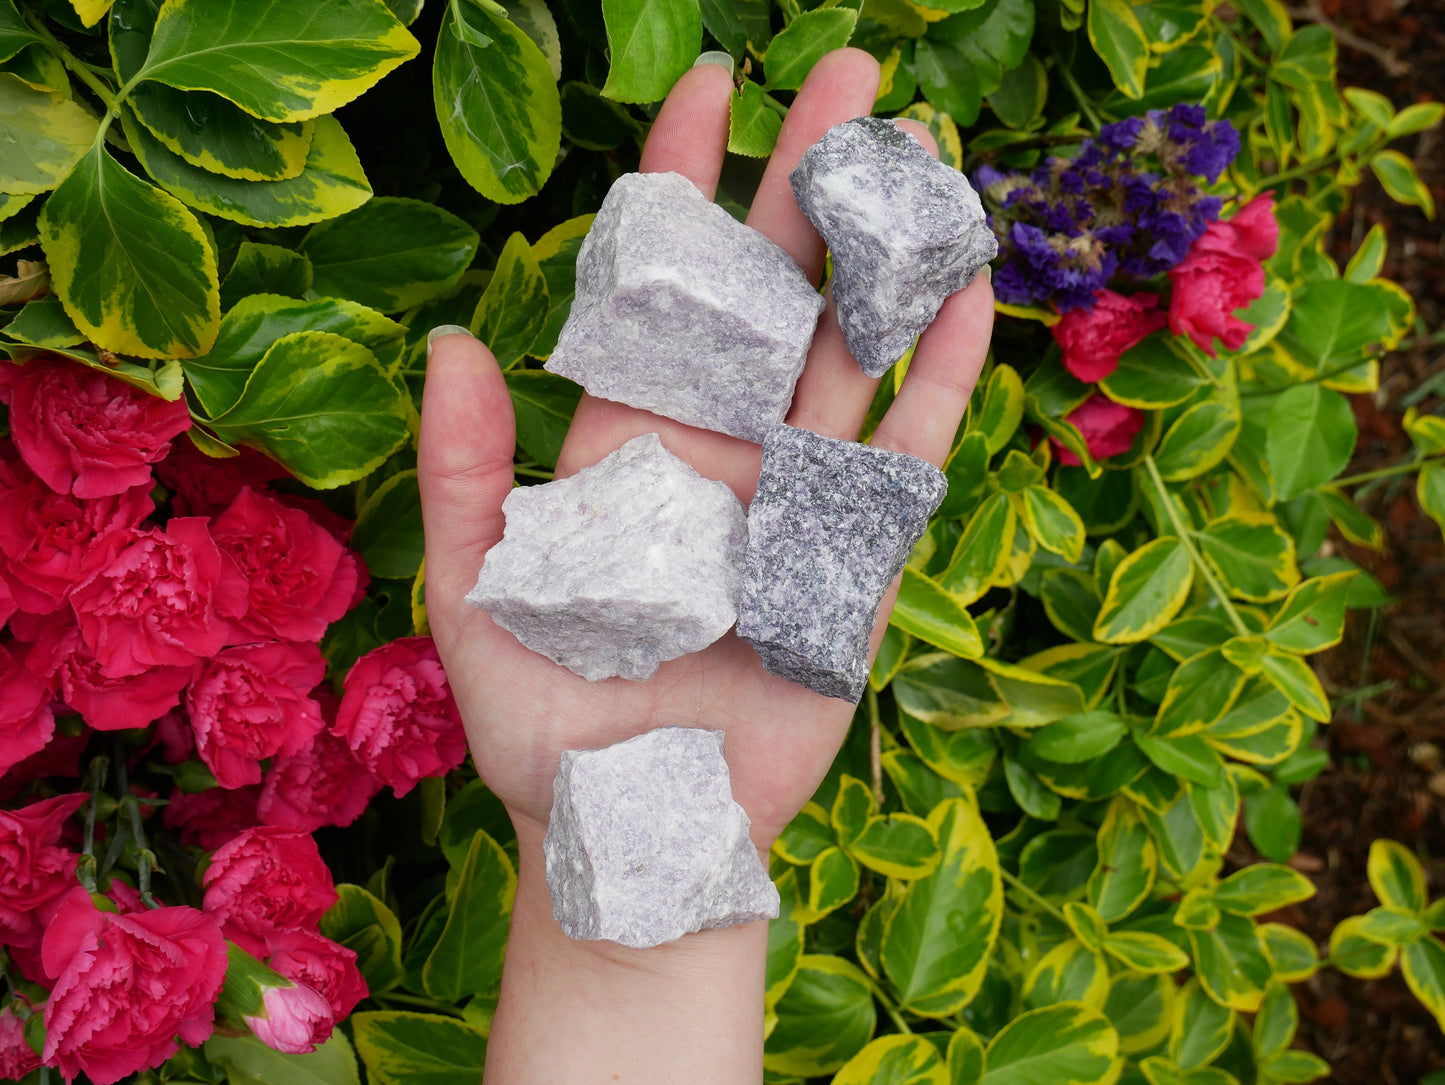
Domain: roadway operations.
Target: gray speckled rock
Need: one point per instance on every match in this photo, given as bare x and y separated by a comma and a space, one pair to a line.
831, 525
645, 843
905, 231
630, 562
684, 311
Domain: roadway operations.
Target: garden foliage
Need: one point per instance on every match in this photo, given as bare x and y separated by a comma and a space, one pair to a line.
1096, 676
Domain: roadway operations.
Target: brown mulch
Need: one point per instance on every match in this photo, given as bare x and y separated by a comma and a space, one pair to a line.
1387, 744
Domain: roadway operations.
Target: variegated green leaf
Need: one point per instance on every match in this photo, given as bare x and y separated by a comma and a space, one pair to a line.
931, 613
1067, 1044
1145, 592
1052, 522
514, 307
825, 1017
130, 263
265, 269
467, 958
1396, 876
1200, 691
963, 756
1291, 952
895, 1060
1293, 677
1264, 887
937, 943
1252, 554
259, 320
1313, 617
807, 836
276, 60
497, 104
1144, 952
1003, 408
898, 846
1391, 927
832, 882
322, 406
983, 551
1355, 955
44, 135
1231, 963
1070, 972
330, 183
1201, 1027
1127, 863
1422, 963
949, 692
1140, 1006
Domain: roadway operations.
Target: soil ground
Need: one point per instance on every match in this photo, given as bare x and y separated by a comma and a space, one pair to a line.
1387, 742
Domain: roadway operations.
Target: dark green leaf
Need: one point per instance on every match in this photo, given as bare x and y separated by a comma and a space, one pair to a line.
544, 404
388, 529
418, 1048
265, 269
825, 1017
390, 253
1312, 435
651, 42
593, 122
1273, 822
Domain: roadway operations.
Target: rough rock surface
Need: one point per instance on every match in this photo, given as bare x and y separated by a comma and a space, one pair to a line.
630, 562
684, 311
645, 843
905, 231
831, 525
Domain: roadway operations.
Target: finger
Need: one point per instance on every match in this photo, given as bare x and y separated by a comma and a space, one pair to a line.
690, 134
833, 394
841, 86
926, 412
464, 466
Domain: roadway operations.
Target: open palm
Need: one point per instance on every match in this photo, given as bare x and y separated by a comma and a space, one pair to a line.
521, 710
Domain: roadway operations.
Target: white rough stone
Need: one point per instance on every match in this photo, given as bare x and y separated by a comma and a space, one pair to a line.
645, 842
905, 231
630, 562
686, 312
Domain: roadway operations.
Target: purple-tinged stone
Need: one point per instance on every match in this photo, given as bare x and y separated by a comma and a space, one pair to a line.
686, 312
905, 231
830, 526
645, 842
630, 562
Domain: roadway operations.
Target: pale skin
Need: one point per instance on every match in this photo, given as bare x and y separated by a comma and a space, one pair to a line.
578, 1012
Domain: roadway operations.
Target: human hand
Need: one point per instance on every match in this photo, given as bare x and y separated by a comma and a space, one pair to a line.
521, 710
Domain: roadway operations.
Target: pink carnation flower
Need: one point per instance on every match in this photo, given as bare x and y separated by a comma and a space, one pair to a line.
251, 703
398, 715
82, 430
127, 987
1093, 339
35, 871
1222, 274
265, 880
1108, 428
26, 719
323, 784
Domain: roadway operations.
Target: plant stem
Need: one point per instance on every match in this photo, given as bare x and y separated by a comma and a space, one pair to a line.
531, 472
1085, 105
80, 69
1306, 169
1014, 883
1246, 52
94, 782
1382, 472
1195, 557
888, 1007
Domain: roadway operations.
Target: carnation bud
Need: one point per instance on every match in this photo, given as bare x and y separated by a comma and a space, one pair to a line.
286, 1016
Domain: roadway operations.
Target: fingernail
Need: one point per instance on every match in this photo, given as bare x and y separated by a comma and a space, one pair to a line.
986, 271
441, 330
715, 56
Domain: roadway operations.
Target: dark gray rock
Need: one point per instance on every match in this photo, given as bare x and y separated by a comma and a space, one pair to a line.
905, 231
645, 843
684, 311
831, 525
630, 562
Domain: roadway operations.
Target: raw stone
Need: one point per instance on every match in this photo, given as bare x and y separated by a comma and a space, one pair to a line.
645, 843
684, 311
630, 562
905, 231
831, 525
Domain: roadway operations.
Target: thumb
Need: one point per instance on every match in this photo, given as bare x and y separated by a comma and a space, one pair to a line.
464, 467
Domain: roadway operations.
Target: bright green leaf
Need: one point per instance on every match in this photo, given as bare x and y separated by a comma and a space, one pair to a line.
418, 1048
1067, 1044
793, 52
651, 43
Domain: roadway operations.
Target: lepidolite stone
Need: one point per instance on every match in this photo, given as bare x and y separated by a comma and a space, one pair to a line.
645, 843
684, 311
831, 525
630, 562
905, 231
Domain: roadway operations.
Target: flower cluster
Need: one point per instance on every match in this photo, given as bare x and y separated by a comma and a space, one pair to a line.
148, 589
1127, 204
1128, 211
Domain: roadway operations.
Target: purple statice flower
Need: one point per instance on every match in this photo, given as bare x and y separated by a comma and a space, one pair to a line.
1126, 203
